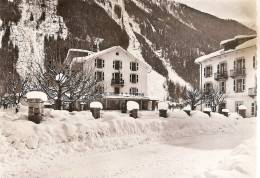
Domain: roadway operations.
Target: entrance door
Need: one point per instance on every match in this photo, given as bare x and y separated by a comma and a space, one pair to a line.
117, 90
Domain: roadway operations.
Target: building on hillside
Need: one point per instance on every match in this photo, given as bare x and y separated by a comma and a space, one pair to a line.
233, 70
123, 77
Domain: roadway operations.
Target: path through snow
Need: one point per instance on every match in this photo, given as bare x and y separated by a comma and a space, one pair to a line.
183, 158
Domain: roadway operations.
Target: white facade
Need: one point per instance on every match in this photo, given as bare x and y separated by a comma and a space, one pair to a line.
111, 55
234, 72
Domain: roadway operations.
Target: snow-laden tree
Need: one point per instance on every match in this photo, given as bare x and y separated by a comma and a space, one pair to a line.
63, 85
214, 97
16, 89
193, 97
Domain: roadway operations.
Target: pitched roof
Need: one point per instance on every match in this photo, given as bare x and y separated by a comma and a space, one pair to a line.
247, 44
73, 53
101, 53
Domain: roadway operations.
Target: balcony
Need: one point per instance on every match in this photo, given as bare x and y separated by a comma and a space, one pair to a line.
124, 94
237, 73
252, 92
221, 75
117, 82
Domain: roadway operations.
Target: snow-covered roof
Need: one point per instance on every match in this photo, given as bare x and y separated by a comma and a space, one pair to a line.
242, 107
37, 95
247, 44
73, 53
225, 110
207, 109
132, 105
187, 108
96, 104
101, 53
162, 105
237, 38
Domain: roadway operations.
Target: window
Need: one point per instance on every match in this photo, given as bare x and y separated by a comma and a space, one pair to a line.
117, 65
134, 66
99, 63
254, 62
133, 91
208, 87
253, 109
117, 53
99, 76
133, 78
239, 85
223, 87
239, 65
222, 68
237, 104
208, 71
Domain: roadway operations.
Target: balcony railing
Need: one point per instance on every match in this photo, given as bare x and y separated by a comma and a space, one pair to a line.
123, 94
221, 75
117, 82
237, 72
252, 91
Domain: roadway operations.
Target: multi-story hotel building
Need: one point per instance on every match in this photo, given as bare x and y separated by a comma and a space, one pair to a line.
123, 76
233, 70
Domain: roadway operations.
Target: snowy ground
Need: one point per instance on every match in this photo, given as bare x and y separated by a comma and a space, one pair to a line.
76, 145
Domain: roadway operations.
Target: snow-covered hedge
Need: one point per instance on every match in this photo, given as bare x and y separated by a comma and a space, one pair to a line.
115, 130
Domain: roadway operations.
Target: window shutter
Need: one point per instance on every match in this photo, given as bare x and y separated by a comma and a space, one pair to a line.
204, 71
204, 87
136, 78
113, 64
244, 64
131, 66
103, 76
120, 65
131, 78
137, 66
244, 84
234, 85
103, 63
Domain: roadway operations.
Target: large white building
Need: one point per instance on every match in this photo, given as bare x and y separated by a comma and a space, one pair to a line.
123, 76
233, 70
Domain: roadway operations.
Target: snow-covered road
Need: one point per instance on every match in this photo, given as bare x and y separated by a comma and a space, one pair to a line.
185, 157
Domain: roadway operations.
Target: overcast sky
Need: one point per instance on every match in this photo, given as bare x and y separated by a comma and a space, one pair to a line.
241, 10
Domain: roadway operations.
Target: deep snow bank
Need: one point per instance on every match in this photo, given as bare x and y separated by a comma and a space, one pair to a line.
240, 164
113, 131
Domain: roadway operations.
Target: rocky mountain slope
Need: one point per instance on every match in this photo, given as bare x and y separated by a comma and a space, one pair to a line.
167, 35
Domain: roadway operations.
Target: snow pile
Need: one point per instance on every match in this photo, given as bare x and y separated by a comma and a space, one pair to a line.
215, 115
177, 113
37, 95
187, 108
199, 115
207, 109
162, 105
60, 127
96, 105
241, 163
131, 105
234, 115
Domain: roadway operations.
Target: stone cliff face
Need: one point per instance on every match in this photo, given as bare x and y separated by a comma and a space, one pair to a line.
167, 35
